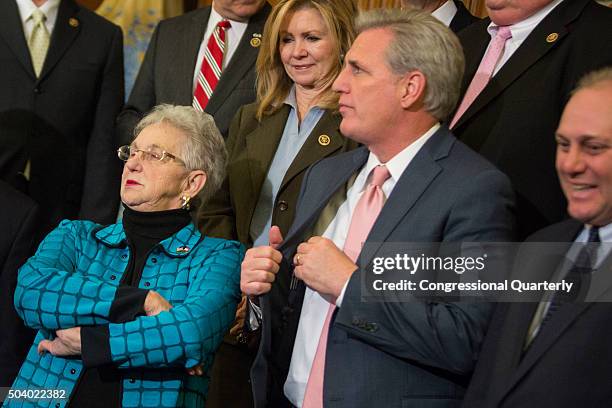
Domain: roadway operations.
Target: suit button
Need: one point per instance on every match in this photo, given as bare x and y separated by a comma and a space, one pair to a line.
154, 260
72, 371
132, 380
283, 205
37, 90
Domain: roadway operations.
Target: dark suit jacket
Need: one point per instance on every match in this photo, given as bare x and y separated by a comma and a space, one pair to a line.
462, 19
513, 121
252, 145
567, 364
166, 74
18, 223
62, 121
392, 354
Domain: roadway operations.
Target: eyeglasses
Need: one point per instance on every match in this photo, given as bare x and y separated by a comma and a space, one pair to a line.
153, 154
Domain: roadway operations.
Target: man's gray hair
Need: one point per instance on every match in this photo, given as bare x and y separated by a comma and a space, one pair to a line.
204, 148
594, 78
422, 43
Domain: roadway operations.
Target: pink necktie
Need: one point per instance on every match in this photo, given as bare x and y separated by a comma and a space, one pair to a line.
485, 71
366, 211
212, 63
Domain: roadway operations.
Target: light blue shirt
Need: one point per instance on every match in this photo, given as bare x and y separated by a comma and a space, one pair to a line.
291, 143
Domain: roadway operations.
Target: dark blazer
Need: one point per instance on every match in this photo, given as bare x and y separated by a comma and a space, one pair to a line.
18, 223
392, 354
463, 17
166, 74
63, 121
567, 364
513, 121
252, 145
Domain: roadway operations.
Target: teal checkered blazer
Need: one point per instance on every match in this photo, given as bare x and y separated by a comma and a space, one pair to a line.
73, 280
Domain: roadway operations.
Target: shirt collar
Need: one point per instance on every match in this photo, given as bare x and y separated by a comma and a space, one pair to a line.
521, 30
27, 7
400, 161
605, 233
446, 12
216, 17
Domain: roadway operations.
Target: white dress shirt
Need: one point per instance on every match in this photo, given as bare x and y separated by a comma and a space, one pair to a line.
520, 31
27, 7
315, 307
232, 39
446, 12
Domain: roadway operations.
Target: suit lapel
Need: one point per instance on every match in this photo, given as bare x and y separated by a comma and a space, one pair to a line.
188, 42
416, 178
64, 34
12, 32
261, 145
532, 50
238, 67
556, 327
318, 199
313, 150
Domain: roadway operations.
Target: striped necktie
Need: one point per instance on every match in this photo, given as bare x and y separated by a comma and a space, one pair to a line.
212, 63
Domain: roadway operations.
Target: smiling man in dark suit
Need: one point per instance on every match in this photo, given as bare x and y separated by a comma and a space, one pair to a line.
452, 13
169, 72
521, 65
61, 76
552, 353
411, 182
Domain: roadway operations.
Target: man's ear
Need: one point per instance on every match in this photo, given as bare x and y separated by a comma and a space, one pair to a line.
195, 183
412, 89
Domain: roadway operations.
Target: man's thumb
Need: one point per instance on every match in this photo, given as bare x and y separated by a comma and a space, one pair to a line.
276, 238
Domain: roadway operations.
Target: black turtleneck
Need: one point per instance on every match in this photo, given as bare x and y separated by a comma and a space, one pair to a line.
100, 384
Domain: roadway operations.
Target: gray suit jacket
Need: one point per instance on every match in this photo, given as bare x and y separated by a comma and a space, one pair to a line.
166, 74
393, 354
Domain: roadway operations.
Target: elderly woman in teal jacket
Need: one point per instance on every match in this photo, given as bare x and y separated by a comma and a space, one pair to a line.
131, 314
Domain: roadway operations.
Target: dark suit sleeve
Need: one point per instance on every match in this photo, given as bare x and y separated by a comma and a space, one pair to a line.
100, 198
142, 98
217, 218
16, 338
443, 335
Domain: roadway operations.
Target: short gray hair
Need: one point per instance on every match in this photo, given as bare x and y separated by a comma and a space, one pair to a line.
594, 78
422, 43
204, 149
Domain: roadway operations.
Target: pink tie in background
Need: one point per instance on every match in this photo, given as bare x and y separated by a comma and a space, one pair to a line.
212, 63
366, 211
485, 71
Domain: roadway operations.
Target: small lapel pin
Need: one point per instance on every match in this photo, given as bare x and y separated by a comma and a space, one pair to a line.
182, 249
257, 35
255, 42
73, 22
552, 37
324, 140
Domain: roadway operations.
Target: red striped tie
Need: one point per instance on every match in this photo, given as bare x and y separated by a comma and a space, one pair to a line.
210, 71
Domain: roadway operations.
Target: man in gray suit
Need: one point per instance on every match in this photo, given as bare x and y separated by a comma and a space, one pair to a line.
171, 65
401, 79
